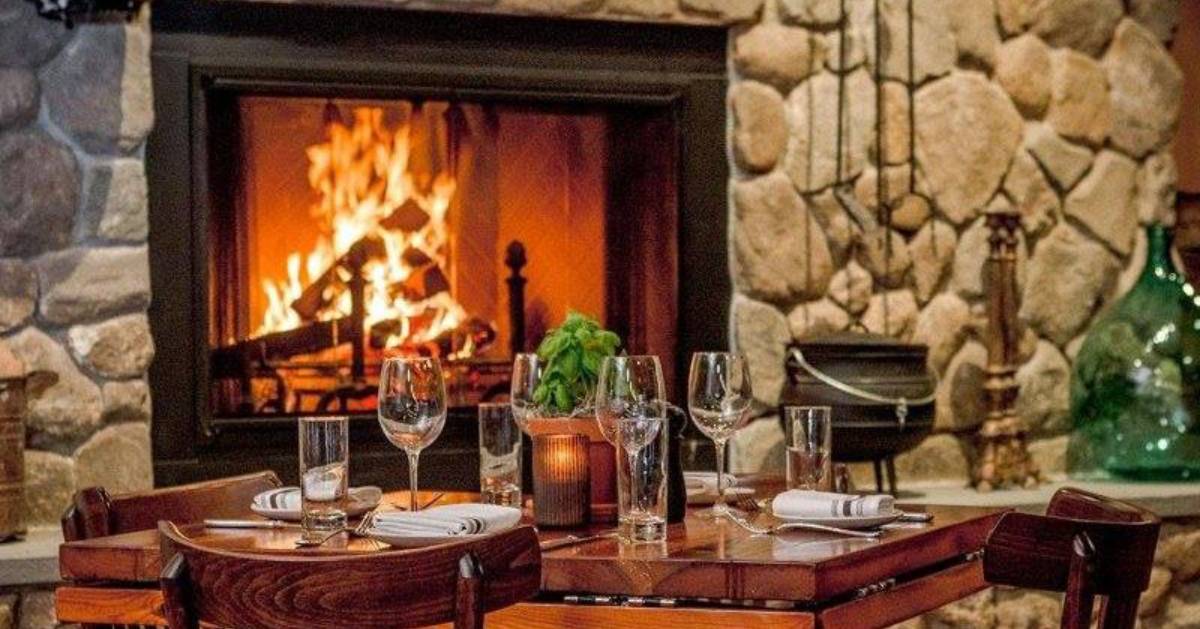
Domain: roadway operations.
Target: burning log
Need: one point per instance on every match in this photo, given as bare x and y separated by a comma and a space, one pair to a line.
233, 360
312, 300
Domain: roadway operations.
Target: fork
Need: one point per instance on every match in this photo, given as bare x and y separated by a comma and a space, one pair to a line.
802, 526
359, 530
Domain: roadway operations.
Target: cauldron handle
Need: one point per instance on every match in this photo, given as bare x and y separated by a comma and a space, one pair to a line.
900, 403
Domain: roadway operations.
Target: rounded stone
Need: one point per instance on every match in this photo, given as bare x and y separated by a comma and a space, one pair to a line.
39, 191
895, 185
1085, 25
816, 318
27, 40
1021, 69
939, 459
1081, 272
932, 255
910, 213
964, 174
1044, 398
973, 24
729, 10
942, 326
896, 145
850, 288
1050, 456
840, 231
115, 207
1157, 16
126, 401
63, 403
1064, 161
117, 348
1103, 201
933, 52
811, 12
757, 448
18, 96
98, 88
776, 54
1156, 179
761, 333
85, 284
18, 293
960, 399
780, 252
117, 458
1079, 108
1032, 195
1147, 89
643, 8
811, 159
885, 256
1155, 597
49, 485
893, 313
1179, 551
760, 131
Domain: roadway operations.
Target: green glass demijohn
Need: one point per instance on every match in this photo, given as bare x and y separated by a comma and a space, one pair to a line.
1135, 390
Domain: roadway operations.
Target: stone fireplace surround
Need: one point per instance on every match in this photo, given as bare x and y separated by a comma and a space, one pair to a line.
1063, 109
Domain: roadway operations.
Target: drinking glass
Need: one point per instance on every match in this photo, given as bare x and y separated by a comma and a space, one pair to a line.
526, 374
808, 436
719, 397
499, 456
324, 466
644, 442
412, 408
627, 387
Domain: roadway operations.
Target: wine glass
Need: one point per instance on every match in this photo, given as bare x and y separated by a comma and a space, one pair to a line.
412, 408
719, 397
628, 387
526, 374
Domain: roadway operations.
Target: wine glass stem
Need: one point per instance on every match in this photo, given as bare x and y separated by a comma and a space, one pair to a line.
412, 480
635, 499
720, 507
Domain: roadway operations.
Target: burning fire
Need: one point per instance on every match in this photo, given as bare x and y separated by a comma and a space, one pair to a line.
362, 176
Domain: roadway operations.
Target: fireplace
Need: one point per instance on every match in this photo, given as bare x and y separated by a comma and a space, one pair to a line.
321, 202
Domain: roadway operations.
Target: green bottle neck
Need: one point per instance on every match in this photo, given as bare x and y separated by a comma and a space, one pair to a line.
1158, 252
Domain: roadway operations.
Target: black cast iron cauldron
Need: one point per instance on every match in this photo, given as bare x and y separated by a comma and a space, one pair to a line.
879, 388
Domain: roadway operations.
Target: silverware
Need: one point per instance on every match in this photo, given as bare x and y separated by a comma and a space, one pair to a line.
747, 503
425, 506
249, 524
802, 526
574, 540
915, 516
360, 530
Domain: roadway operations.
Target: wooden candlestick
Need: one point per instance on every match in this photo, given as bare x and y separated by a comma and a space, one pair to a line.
561, 480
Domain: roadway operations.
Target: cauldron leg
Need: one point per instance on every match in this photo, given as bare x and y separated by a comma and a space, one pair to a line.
891, 474
878, 463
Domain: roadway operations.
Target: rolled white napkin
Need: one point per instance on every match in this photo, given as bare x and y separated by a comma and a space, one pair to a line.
288, 498
706, 482
447, 520
799, 503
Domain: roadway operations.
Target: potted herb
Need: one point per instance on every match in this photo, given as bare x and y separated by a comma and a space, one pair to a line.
569, 359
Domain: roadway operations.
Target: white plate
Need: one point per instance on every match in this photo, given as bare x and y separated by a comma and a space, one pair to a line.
850, 521
362, 500
701, 497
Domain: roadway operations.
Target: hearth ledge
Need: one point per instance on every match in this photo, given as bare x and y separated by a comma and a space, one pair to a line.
1168, 500
33, 560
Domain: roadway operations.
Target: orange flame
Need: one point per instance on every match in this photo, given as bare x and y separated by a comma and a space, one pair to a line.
361, 175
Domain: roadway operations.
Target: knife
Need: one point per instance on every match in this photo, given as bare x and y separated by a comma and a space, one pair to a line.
572, 540
249, 524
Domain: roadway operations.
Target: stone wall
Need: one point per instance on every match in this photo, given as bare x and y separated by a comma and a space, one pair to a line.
1063, 110
75, 108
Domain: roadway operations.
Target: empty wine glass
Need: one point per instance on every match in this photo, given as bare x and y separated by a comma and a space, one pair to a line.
628, 387
719, 397
526, 374
412, 408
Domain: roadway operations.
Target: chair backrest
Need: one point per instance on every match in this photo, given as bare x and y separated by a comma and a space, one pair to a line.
1086, 546
94, 513
456, 582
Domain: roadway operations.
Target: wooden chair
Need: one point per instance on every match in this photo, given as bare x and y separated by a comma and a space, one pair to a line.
1086, 546
456, 582
94, 513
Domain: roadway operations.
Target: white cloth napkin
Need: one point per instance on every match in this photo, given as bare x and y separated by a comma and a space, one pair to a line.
702, 486
288, 498
799, 503
447, 520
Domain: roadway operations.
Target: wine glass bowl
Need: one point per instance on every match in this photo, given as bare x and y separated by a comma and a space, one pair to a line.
628, 387
719, 399
412, 408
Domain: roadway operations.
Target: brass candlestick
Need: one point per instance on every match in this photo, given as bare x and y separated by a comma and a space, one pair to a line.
561, 480
1003, 456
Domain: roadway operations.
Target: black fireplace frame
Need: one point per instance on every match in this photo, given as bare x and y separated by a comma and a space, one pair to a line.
202, 47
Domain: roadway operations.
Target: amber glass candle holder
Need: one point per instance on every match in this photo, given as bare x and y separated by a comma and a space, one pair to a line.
561, 480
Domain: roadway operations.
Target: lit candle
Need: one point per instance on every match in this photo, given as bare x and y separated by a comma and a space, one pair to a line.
561, 480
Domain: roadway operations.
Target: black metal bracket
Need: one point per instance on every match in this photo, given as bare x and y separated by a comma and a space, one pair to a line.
71, 11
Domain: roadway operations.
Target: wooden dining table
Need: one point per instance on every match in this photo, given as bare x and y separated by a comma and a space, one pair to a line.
708, 573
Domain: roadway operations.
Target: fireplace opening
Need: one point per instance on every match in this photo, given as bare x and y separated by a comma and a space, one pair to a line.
353, 229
